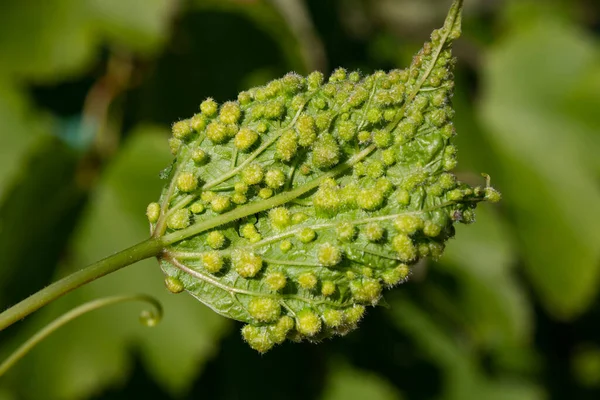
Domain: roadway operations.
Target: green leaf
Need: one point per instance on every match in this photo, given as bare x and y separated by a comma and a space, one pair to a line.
95, 350
348, 383
548, 147
492, 300
59, 37
463, 376
291, 208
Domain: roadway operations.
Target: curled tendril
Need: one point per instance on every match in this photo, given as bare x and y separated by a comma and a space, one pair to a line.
148, 317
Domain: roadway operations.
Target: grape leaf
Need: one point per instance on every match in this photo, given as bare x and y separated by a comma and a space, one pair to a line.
291, 208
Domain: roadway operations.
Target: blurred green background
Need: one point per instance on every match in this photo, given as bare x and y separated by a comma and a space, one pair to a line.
88, 90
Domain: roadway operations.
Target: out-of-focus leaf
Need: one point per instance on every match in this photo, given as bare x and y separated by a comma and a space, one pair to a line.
20, 129
267, 18
37, 217
463, 376
138, 24
492, 300
94, 350
348, 383
59, 37
547, 148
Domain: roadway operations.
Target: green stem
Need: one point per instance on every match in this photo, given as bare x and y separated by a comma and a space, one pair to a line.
147, 317
140, 251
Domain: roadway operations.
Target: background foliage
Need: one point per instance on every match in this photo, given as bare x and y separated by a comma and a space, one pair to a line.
88, 90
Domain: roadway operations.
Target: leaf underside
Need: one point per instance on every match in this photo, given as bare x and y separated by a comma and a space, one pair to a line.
293, 207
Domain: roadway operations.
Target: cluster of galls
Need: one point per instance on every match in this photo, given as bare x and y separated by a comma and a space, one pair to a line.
383, 139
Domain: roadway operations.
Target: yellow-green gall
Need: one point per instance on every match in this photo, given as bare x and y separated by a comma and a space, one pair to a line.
198, 122
448, 131
375, 169
209, 107
367, 272
245, 139
329, 255
492, 195
246, 264
373, 232
207, 196
280, 217
212, 261
366, 291
174, 285
230, 112
438, 117
315, 79
436, 250
396, 275
180, 219
174, 145
432, 229
250, 232
382, 138
285, 246
326, 200
404, 247
298, 218
187, 182
339, 74
253, 174
353, 315
307, 131
346, 130
220, 204
406, 129
275, 280
333, 318
308, 323
182, 129
447, 181
364, 137
287, 145
217, 132
239, 198
370, 199
257, 338
384, 185
423, 250
274, 110
279, 330
275, 178
215, 239
197, 207
319, 103
308, 280
323, 119
326, 152
345, 231
262, 127
244, 98
292, 82
306, 235
199, 156
240, 187
403, 197
265, 193
374, 115
408, 224
153, 212
264, 309
390, 114
354, 76
327, 288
